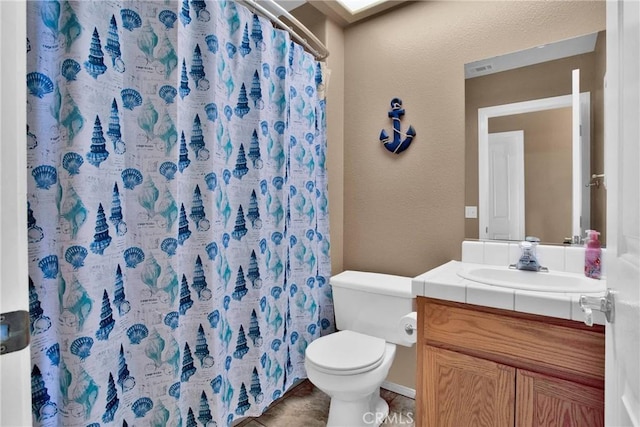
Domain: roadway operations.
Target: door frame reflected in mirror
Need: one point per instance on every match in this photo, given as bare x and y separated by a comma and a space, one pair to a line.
580, 176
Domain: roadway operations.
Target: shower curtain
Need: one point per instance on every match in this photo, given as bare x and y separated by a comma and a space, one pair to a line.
177, 218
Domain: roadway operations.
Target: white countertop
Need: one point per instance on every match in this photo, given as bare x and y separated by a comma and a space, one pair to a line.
444, 283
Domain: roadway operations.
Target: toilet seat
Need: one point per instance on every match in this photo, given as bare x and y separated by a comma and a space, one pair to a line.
346, 353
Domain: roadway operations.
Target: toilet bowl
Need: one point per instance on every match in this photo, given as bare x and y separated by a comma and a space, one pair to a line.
350, 365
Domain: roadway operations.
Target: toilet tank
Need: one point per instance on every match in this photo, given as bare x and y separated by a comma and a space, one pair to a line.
372, 304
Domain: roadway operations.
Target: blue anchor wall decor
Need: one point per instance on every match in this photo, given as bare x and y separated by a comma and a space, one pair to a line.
397, 146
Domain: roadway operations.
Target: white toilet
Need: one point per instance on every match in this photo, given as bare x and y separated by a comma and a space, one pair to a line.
350, 365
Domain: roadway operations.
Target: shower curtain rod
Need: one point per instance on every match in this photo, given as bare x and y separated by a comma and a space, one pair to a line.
320, 52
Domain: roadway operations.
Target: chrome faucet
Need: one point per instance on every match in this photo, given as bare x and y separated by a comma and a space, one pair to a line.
574, 240
528, 259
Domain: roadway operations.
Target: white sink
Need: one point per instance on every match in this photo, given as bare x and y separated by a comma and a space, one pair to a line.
553, 281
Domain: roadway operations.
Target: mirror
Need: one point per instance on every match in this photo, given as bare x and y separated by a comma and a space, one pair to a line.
529, 93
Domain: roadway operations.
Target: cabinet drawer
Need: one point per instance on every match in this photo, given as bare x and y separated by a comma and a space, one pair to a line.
562, 349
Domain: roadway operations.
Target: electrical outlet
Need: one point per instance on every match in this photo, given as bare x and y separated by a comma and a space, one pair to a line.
471, 212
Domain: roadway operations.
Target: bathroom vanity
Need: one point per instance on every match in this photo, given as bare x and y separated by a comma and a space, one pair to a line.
498, 356
487, 367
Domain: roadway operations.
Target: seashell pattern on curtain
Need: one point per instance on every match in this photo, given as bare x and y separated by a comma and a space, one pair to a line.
178, 212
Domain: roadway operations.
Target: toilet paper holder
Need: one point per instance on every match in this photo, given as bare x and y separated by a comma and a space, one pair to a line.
408, 325
409, 328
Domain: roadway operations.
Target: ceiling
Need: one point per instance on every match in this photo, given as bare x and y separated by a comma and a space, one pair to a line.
340, 12
290, 4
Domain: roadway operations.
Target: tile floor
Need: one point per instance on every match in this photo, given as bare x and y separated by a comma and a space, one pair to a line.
306, 406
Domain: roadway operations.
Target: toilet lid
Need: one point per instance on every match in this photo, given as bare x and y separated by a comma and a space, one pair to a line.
346, 351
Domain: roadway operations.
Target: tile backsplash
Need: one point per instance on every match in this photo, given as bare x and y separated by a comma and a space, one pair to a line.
557, 258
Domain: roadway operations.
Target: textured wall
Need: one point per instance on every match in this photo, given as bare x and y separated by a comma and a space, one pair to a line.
335, 142
405, 214
332, 36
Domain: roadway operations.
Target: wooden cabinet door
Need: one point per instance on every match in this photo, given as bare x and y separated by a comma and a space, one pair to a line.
544, 401
461, 390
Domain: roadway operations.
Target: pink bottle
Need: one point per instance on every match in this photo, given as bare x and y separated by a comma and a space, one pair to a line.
592, 255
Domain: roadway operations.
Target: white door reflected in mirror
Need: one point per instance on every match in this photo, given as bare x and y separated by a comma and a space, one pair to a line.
506, 186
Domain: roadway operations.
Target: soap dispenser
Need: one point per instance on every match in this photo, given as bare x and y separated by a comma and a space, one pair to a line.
592, 255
